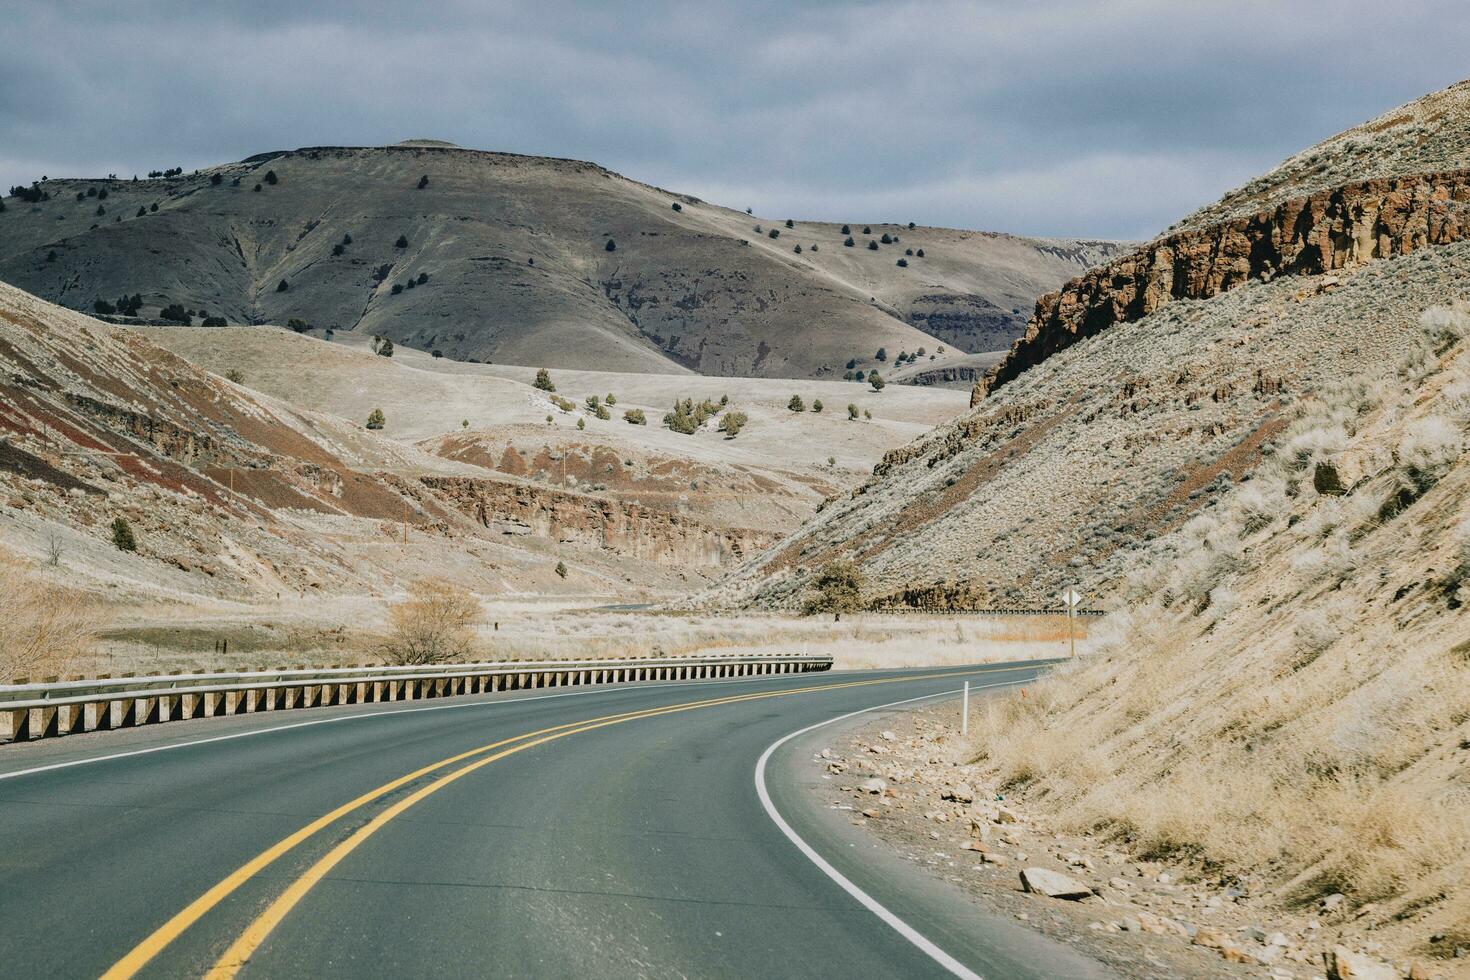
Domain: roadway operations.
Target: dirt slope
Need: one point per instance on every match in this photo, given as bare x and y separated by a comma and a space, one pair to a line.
505, 258
1282, 704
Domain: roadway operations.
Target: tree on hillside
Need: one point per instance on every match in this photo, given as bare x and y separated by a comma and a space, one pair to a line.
402, 242
543, 380
852, 412
796, 404
846, 230
270, 177
635, 416
103, 307
837, 587
849, 242
376, 419
677, 206
732, 422
872, 245
882, 354
175, 313
790, 223
382, 346
298, 325
816, 404
876, 381
282, 286
611, 246
561, 569
122, 535
423, 181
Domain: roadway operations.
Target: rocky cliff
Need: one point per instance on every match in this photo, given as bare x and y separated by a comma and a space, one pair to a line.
1317, 233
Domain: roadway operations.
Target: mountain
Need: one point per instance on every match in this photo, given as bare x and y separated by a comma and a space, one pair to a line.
525, 260
1144, 390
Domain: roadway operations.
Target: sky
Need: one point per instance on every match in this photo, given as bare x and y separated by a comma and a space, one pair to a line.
1074, 118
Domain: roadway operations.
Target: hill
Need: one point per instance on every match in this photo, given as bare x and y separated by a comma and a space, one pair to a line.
524, 260
1133, 403
233, 496
770, 478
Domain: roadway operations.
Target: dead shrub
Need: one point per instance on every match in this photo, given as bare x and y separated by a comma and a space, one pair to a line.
434, 625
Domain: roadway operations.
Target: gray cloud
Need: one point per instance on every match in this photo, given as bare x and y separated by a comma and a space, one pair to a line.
1071, 117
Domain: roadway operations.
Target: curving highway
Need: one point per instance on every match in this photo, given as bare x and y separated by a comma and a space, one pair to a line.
660, 830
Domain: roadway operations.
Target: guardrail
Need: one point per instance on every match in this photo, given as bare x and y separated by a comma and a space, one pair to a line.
987, 612
55, 707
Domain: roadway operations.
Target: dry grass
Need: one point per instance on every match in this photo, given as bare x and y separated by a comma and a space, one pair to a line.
44, 626
1285, 698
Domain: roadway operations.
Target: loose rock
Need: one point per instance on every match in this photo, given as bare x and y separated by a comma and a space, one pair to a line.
1053, 884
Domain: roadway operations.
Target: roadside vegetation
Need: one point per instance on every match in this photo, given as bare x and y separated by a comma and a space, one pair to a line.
434, 624
1283, 693
45, 627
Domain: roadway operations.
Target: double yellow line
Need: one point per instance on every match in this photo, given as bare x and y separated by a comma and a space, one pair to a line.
230, 962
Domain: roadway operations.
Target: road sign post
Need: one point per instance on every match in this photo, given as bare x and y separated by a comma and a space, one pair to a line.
965, 711
1071, 598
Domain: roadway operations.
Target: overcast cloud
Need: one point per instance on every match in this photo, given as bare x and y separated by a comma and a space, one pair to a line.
1099, 118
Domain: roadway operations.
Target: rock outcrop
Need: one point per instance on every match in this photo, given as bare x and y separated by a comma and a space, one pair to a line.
588, 521
1318, 233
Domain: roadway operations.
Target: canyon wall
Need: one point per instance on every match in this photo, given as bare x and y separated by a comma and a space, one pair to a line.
1310, 235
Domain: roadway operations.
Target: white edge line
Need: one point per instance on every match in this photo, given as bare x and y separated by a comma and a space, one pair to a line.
869, 902
356, 716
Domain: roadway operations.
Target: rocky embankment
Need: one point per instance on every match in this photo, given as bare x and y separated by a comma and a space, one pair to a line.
587, 521
1149, 918
1318, 233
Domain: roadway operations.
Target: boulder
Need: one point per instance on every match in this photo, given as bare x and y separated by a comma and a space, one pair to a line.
1054, 884
874, 786
960, 793
1344, 964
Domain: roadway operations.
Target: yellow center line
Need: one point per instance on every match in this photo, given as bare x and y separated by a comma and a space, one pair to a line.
240, 951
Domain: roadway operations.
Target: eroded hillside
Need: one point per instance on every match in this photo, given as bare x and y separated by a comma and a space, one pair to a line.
1153, 388
228, 493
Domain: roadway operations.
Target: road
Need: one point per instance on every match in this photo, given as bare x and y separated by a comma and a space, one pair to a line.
607, 832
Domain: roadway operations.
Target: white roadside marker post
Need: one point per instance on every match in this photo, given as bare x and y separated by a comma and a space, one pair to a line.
1071, 598
965, 711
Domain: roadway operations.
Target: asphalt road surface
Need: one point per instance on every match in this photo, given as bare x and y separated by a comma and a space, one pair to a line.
663, 830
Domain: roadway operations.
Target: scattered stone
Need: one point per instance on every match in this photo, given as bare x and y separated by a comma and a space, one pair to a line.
873, 786
871, 814
1332, 902
827, 754
1053, 884
887, 736
960, 793
1344, 964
